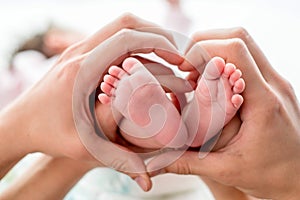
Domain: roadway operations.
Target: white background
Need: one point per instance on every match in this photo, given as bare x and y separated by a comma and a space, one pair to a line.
275, 24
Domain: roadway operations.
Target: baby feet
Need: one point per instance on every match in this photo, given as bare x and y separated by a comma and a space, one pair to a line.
146, 116
217, 99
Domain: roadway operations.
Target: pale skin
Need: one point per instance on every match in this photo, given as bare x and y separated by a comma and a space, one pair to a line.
133, 90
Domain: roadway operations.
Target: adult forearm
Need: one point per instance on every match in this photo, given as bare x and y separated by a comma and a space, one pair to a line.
49, 178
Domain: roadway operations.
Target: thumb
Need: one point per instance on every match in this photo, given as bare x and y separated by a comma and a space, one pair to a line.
134, 167
130, 163
117, 157
188, 163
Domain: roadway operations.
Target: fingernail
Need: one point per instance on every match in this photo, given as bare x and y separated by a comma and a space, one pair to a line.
141, 182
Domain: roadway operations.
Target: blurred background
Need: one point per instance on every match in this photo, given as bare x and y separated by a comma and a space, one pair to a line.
274, 24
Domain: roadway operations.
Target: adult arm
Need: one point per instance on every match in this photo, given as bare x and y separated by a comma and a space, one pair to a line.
48, 178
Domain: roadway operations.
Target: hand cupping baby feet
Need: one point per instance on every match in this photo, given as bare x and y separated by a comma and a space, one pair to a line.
146, 116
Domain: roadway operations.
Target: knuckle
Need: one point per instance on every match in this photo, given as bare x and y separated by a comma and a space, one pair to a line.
123, 34
200, 49
67, 70
240, 32
203, 56
72, 51
196, 37
184, 170
120, 165
288, 88
124, 31
179, 168
128, 19
237, 45
274, 104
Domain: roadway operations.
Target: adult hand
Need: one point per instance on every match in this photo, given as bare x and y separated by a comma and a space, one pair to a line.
52, 112
263, 158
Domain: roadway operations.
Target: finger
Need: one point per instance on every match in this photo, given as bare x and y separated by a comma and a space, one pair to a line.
188, 163
125, 21
93, 67
233, 51
175, 84
117, 48
133, 163
195, 58
262, 62
105, 147
157, 68
118, 158
193, 76
166, 77
176, 101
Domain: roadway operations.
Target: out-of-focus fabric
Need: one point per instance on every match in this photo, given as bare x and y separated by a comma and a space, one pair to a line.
28, 67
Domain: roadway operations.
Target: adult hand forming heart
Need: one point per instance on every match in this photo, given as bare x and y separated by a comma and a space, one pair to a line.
146, 116
52, 112
91, 118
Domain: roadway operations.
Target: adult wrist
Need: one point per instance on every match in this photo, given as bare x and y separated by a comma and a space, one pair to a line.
288, 181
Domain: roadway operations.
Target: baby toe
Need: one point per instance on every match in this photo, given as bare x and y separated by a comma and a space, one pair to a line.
214, 68
111, 80
116, 72
131, 65
237, 100
239, 86
103, 98
107, 88
236, 75
229, 69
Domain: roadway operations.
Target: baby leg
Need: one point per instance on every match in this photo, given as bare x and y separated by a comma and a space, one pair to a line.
147, 117
216, 100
